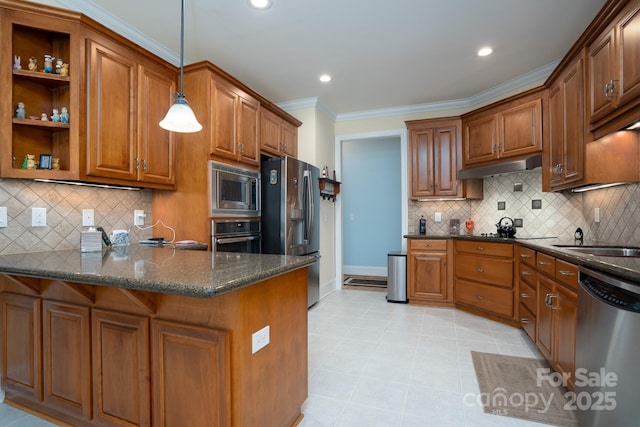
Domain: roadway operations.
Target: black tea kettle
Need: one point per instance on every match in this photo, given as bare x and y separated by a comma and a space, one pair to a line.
506, 228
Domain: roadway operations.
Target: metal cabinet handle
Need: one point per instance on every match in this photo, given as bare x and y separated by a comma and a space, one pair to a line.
524, 320
525, 256
558, 169
566, 273
525, 296
479, 270
144, 165
610, 89
544, 263
479, 248
525, 273
480, 297
549, 300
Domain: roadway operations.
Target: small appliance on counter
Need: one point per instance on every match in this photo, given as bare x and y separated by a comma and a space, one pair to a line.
505, 227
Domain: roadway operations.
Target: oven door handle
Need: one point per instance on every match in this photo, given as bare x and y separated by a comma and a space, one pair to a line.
236, 239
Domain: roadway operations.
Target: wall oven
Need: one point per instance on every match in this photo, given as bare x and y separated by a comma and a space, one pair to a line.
233, 191
236, 236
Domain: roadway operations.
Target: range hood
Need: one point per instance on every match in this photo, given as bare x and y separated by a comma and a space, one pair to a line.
502, 168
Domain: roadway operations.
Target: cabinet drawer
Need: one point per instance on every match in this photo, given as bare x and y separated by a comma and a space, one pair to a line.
428, 244
485, 248
527, 256
494, 271
528, 274
528, 297
490, 298
567, 274
528, 321
545, 264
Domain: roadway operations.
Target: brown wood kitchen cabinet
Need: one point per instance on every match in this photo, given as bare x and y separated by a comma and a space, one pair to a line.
234, 121
528, 283
434, 160
33, 31
507, 129
484, 277
429, 272
557, 313
565, 131
278, 137
613, 71
127, 96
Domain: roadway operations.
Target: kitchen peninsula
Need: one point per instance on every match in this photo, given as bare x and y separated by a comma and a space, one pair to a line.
155, 336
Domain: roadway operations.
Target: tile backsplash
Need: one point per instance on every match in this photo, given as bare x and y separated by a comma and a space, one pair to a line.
113, 209
558, 215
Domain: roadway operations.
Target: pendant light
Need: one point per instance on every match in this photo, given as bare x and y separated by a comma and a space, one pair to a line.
180, 117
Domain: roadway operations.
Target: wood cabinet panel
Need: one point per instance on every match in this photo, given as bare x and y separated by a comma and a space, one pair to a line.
121, 372
428, 244
544, 317
428, 272
421, 157
21, 351
485, 248
527, 256
180, 348
481, 140
66, 358
528, 297
567, 274
564, 355
490, 298
628, 29
520, 129
545, 264
277, 136
528, 321
248, 130
494, 271
112, 102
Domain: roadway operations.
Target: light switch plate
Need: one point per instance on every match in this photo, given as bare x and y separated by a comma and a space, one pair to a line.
3, 216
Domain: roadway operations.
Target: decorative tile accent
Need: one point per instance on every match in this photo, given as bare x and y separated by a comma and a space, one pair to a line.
502, 206
536, 204
517, 186
113, 209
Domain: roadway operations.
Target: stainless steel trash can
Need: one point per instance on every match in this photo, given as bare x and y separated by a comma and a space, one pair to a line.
397, 277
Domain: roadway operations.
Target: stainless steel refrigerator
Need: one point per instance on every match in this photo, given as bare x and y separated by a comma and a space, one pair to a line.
291, 213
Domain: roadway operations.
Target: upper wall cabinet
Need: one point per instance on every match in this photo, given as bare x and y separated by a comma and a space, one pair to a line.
434, 160
31, 92
512, 128
278, 137
565, 138
127, 96
613, 72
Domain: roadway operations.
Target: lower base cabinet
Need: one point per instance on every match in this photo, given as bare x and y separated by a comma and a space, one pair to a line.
428, 273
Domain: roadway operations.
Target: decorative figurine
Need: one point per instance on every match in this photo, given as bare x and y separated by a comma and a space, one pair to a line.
64, 115
33, 64
48, 63
21, 112
55, 117
55, 163
16, 63
43, 117
29, 161
58, 66
64, 69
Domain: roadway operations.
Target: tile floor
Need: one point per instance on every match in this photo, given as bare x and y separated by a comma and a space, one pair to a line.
373, 363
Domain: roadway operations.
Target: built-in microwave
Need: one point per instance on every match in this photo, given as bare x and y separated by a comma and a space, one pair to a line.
233, 191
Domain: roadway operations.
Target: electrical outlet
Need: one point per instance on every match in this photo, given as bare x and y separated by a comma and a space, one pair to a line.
596, 214
38, 217
438, 217
259, 339
87, 218
138, 217
3, 216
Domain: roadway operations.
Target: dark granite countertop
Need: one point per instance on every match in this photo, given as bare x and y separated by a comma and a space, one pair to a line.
154, 269
627, 268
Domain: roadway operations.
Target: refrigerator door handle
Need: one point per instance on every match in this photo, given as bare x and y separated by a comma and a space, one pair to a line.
308, 217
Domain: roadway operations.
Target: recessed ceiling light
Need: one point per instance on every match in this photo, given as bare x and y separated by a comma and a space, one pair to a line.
485, 51
260, 4
325, 78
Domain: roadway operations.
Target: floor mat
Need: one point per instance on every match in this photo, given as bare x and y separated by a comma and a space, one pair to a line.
379, 282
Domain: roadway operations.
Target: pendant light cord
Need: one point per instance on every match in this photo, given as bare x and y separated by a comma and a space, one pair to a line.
181, 94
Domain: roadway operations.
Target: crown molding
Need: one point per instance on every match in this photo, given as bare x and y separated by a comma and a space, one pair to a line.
314, 102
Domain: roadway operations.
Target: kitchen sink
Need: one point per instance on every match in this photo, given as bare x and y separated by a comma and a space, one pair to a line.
621, 251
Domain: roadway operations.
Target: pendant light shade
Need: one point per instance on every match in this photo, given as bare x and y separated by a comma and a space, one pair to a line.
180, 117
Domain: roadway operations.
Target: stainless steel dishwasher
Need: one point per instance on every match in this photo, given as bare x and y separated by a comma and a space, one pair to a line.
607, 373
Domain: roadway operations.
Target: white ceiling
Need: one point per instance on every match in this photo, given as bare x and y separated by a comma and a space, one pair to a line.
381, 54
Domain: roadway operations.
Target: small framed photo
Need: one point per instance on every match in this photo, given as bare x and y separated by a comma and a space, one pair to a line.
45, 161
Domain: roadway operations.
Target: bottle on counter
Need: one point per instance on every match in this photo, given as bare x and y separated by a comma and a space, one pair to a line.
422, 227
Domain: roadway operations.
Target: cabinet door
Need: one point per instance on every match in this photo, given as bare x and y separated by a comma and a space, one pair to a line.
270, 132
156, 146
521, 129
428, 276
175, 351
120, 356
421, 163
544, 318
629, 54
445, 166
490, 270
564, 349
248, 130
289, 139
66, 359
601, 56
112, 98
223, 111
480, 140
556, 140
21, 351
